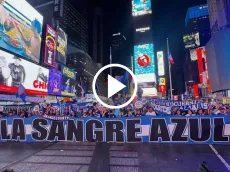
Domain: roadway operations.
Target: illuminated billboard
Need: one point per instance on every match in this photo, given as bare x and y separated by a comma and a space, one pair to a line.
141, 7
144, 59
193, 53
16, 71
160, 63
144, 68
69, 83
50, 46
61, 46
191, 40
20, 29
55, 82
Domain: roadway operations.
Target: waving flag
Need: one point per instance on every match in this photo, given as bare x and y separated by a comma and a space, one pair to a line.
21, 93
170, 58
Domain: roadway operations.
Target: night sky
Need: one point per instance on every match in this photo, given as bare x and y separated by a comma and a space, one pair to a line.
168, 21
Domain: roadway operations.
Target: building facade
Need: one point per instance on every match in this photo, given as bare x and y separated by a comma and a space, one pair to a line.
73, 22
197, 29
219, 14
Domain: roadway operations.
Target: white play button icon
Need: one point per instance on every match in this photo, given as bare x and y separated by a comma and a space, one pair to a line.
114, 86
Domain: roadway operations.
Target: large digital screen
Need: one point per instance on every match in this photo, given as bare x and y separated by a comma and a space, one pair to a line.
160, 63
144, 68
191, 40
141, 7
50, 46
15, 71
55, 82
193, 53
144, 59
69, 83
20, 29
61, 46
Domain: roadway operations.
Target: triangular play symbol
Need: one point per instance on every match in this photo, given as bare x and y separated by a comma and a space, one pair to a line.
114, 86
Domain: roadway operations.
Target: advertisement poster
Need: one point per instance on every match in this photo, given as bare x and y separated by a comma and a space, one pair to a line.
141, 7
55, 82
160, 63
144, 68
50, 46
144, 59
191, 40
193, 53
15, 71
61, 46
20, 29
69, 82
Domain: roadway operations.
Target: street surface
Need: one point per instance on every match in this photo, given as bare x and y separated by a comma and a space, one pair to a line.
105, 157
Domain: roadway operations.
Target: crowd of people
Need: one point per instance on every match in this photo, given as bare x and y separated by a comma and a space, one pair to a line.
129, 111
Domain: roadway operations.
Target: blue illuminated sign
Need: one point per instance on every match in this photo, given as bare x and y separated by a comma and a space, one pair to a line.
141, 7
144, 59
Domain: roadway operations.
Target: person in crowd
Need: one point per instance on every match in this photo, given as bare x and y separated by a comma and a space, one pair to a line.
227, 110
79, 113
1, 115
211, 111
206, 112
221, 110
190, 113
91, 113
29, 114
10, 114
73, 114
117, 112
66, 112
57, 113
145, 110
174, 111
151, 112
23, 114
138, 113
85, 115
178, 113
200, 112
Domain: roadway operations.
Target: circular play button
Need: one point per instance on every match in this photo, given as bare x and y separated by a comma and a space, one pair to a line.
114, 86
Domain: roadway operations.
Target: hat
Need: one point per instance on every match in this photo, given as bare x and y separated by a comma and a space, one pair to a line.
15, 57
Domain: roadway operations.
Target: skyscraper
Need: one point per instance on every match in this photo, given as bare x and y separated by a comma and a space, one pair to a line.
197, 29
144, 59
197, 20
73, 22
118, 47
97, 36
218, 49
219, 14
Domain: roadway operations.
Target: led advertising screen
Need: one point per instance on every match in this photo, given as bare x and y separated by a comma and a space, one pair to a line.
50, 46
69, 83
144, 59
193, 53
20, 29
61, 46
144, 68
141, 7
191, 40
55, 82
15, 71
160, 63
